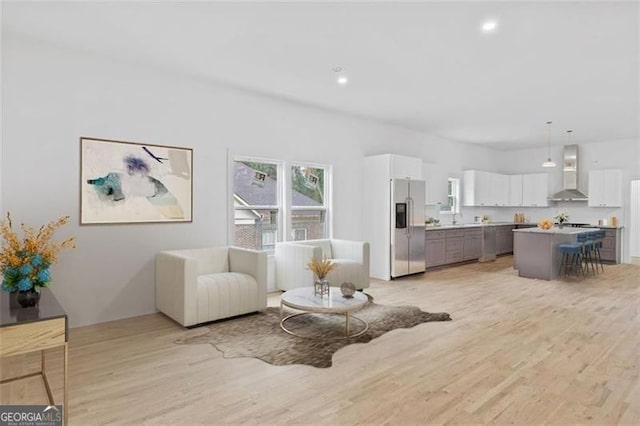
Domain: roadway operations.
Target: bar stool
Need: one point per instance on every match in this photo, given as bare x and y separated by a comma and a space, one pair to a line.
584, 238
597, 246
572, 258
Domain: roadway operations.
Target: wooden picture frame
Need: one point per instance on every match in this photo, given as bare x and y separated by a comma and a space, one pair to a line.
132, 182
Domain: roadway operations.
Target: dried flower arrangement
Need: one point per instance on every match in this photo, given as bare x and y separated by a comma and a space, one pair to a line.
24, 263
321, 267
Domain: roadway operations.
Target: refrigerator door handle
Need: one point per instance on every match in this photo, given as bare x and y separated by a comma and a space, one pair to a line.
410, 208
408, 216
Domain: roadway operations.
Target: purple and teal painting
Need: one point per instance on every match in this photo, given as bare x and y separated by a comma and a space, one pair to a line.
125, 182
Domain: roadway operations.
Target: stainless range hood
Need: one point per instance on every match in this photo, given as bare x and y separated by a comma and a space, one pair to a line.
570, 177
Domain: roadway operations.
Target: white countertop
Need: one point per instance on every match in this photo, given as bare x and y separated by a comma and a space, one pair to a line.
556, 230
473, 225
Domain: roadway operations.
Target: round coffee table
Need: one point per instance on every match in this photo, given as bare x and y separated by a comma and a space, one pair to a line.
303, 299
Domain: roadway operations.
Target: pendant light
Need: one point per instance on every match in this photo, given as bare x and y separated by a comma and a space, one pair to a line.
549, 162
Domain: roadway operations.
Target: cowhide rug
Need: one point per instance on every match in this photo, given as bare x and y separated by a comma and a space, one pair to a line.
260, 336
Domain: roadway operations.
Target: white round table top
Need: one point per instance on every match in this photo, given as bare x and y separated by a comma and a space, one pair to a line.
303, 298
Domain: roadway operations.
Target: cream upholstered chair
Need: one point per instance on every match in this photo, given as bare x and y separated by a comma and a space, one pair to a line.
199, 285
352, 258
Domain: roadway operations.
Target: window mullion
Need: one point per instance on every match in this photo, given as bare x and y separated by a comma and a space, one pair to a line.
285, 190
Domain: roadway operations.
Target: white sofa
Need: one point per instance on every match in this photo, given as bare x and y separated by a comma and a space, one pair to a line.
291, 258
199, 285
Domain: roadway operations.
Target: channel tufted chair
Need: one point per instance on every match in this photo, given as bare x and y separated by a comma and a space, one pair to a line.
352, 258
200, 285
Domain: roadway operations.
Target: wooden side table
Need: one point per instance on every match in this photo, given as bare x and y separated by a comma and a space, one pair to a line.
42, 327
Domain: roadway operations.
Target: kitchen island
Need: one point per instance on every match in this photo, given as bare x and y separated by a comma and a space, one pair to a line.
535, 250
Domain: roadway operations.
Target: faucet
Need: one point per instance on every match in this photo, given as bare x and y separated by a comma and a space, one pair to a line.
453, 220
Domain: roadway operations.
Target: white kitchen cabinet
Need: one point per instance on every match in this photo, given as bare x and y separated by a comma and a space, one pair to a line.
515, 191
475, 191
482, 188
605, 188
498, 190
535, 190
436, 184
405, 167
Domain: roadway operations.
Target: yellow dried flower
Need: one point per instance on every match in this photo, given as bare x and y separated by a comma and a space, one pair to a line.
24, 262
321, 267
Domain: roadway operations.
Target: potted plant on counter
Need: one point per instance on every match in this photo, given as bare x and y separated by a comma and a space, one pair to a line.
562, 217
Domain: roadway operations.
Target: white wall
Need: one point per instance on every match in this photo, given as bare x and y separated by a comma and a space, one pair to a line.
52, 96
456, 157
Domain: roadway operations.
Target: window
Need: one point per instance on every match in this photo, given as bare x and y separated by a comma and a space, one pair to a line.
453, 196
268, 239
261, 217
299, 234
308, 209
256, 204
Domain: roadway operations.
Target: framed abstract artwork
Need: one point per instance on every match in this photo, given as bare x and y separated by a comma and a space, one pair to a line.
130, 182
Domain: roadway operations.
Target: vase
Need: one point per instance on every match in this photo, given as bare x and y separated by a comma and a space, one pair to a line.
321, 287
28, 298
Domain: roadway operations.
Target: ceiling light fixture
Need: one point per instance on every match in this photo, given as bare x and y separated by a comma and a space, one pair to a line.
341, 79
489, 26
549, 162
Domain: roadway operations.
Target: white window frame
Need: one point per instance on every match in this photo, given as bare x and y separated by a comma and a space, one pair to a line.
326, 196
284, 232
455, 194
279, 196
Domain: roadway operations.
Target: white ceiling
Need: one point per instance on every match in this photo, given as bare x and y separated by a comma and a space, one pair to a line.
421, 65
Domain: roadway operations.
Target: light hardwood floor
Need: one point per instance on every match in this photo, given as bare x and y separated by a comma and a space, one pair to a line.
518, 351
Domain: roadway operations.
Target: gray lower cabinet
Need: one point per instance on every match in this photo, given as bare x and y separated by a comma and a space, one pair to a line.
472, 244
610, 251
452, 246
504, 239
434, 248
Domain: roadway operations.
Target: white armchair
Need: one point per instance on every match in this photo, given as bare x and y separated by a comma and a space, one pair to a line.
200, 285
291, 258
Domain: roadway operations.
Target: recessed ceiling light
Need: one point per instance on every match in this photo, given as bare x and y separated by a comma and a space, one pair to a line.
342, 80
489, 26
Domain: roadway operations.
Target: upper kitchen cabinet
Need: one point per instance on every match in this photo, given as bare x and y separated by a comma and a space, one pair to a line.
515, 191
485, 188
499, 189
605, 188
436, 184
405, 167
535, 190
476, 188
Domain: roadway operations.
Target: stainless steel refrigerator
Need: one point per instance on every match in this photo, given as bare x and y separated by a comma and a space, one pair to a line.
407, 227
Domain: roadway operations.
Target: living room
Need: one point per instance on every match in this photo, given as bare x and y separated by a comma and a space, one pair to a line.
57, 88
